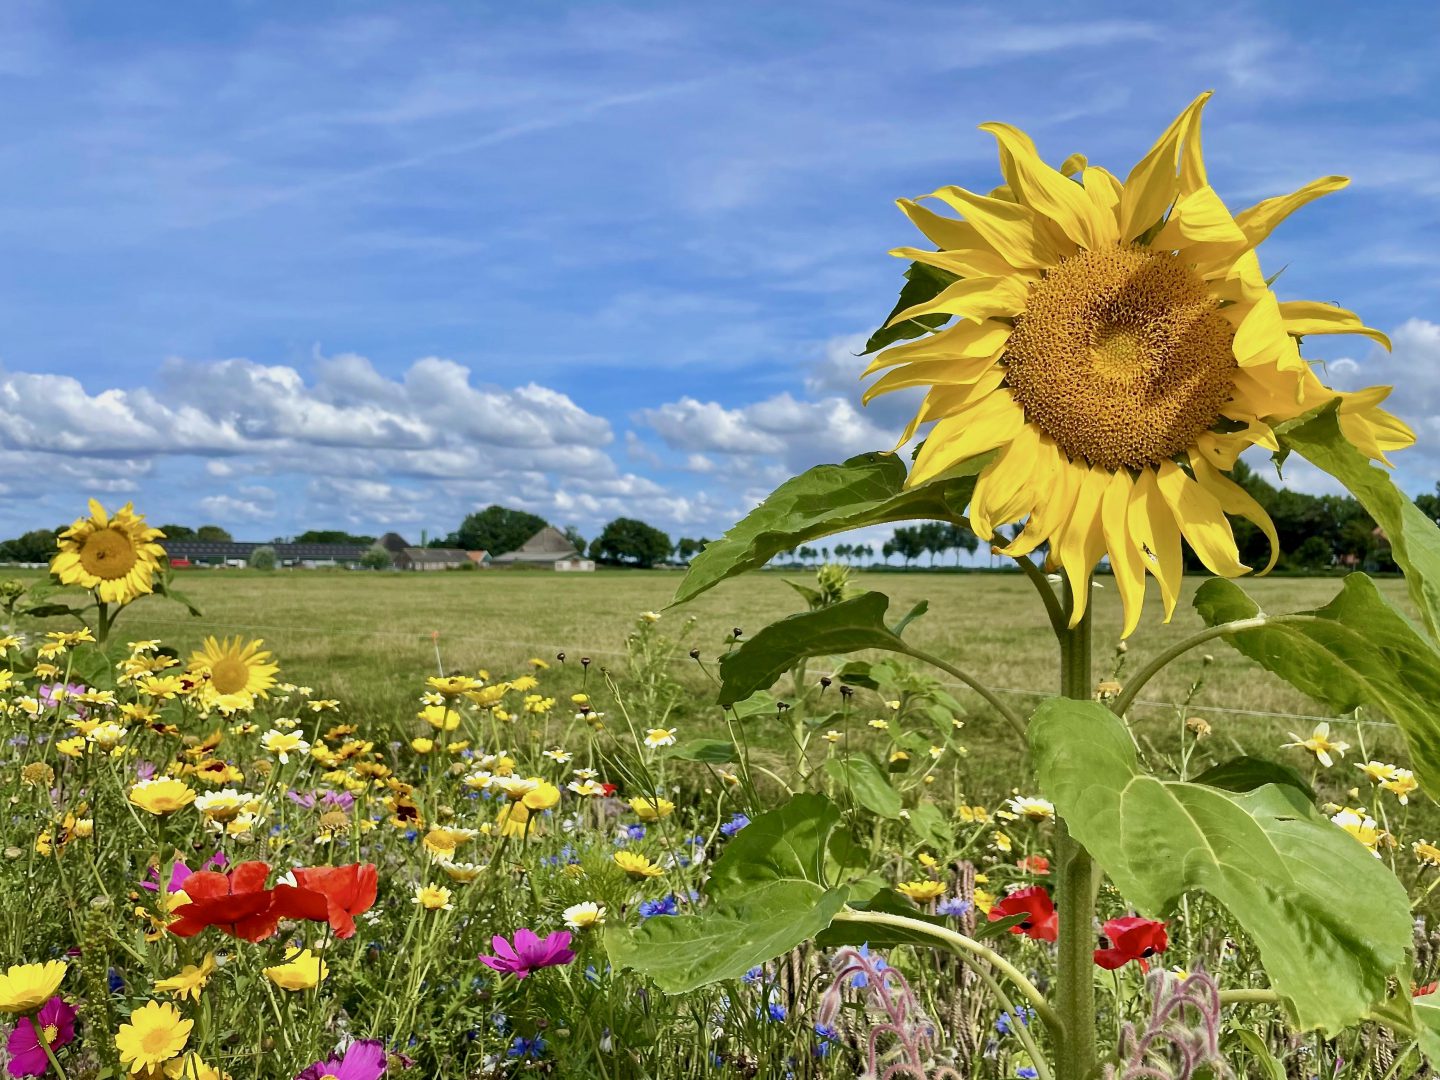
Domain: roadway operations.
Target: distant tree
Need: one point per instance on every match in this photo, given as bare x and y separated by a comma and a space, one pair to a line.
886, 550
262, 558
37, 545
842, 551
213, 534
958, 538
331, 536
496, 529
178, 532
377, 558
1313, 554
908, 542
628, 540
572, 534
686, 549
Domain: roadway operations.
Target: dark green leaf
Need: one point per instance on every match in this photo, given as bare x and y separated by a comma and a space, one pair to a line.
840, 628
1356, 650
878, 935
49, 611
706, 751
930, 827
922, 283
1331, 922
1414, 539
910, 616
996, 927
867, 784
828, 499
1246, 773
1273, 1070
1427, 1026
797, 841
856, 673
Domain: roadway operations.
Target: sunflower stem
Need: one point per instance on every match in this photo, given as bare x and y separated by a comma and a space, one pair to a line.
1076, 885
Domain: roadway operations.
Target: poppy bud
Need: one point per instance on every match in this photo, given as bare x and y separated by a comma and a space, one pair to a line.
694, 654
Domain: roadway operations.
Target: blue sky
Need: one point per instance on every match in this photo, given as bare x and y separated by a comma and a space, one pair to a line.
374, 265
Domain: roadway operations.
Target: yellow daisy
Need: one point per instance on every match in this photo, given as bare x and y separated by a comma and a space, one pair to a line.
1116, 348
922, 891
636, 865
162, 795
25, 987
238, 673
191, 979
302, 970
116, 556
155, 1034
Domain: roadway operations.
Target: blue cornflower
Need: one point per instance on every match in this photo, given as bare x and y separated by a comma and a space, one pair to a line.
753, 976
954, 907
1003, 1023
734, 825
664, 906
526, 1048
825, 1037
1025, 1072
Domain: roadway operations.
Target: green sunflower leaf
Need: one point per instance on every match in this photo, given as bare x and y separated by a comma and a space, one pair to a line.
1266, 855
1414, 538
865, 490
845, 627
1358, 649
922, 283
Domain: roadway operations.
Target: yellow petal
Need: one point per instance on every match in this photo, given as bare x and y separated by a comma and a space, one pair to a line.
1008, 488
1157, 537
1153, 183
1260, 220
1201, 519
943, 401
1192, 161
1199, 218
1305, 317
944, 232
992, 422
1260, 336
1052, 509
1235, 500
1126, 563
965, 262
1104, 189
947, 372
98, 513
1011, 229
976, 299
1046, 190
961, 341
1074, 164
1082, 540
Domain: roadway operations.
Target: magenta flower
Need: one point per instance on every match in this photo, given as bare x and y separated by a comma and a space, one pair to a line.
27, 1056
529, 953
362, 1061
180, 872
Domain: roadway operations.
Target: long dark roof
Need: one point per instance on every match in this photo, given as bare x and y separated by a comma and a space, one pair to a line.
242, 549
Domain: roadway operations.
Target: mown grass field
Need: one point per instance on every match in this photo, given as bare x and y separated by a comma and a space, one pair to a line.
366, 639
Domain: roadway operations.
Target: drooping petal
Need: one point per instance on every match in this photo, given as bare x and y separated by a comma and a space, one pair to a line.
1126, 564
961, 341
930, 372
992, 422
1048, 191
1157, 537
1201, 519
1051, 511
1235, 500
1081, 541
1154, 182
1200, 228
965, 262
1306, 317
976, 299
1261, 337
1009, 487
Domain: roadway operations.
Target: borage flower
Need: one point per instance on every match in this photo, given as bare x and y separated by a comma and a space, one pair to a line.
56, 1022
1131, 938
529, 953
1042, 923
363, 1060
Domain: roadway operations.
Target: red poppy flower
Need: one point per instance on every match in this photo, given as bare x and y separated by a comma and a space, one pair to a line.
330, 893
1427, 990
1131, 938
1042, 925
236, 903
609, 789
1038, 865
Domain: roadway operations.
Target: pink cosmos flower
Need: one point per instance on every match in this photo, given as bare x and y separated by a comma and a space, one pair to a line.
363, 1060
27, 1057
180, 872
529, 953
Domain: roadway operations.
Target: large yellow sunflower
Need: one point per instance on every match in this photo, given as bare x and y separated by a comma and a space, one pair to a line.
116, 556
237, 673
1117, 346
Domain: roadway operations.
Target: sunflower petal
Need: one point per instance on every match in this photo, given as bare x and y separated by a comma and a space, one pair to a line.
1305, 317
1153, 183
1053, 509
1081, 542
1261, 338
966, 262
1011, 229
991, 422
1201, 519
959, 342
1235, 500
1010, 485
1200, 218
1156, 537
1048, 191
1259, 221
976, 299
951, 371
1126, 564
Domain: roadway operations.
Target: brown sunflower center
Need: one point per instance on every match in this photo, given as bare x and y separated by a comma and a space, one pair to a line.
229, 675
108, 554
1122, 357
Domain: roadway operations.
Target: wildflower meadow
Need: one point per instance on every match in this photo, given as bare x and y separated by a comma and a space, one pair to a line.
790, 850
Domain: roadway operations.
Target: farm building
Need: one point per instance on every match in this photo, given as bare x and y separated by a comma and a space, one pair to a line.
428, 558
548, 547
238, 552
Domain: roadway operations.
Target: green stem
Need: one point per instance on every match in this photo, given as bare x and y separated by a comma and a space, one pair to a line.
1076, 883
966, 948
1256, 996
1153, 668
1011, 717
